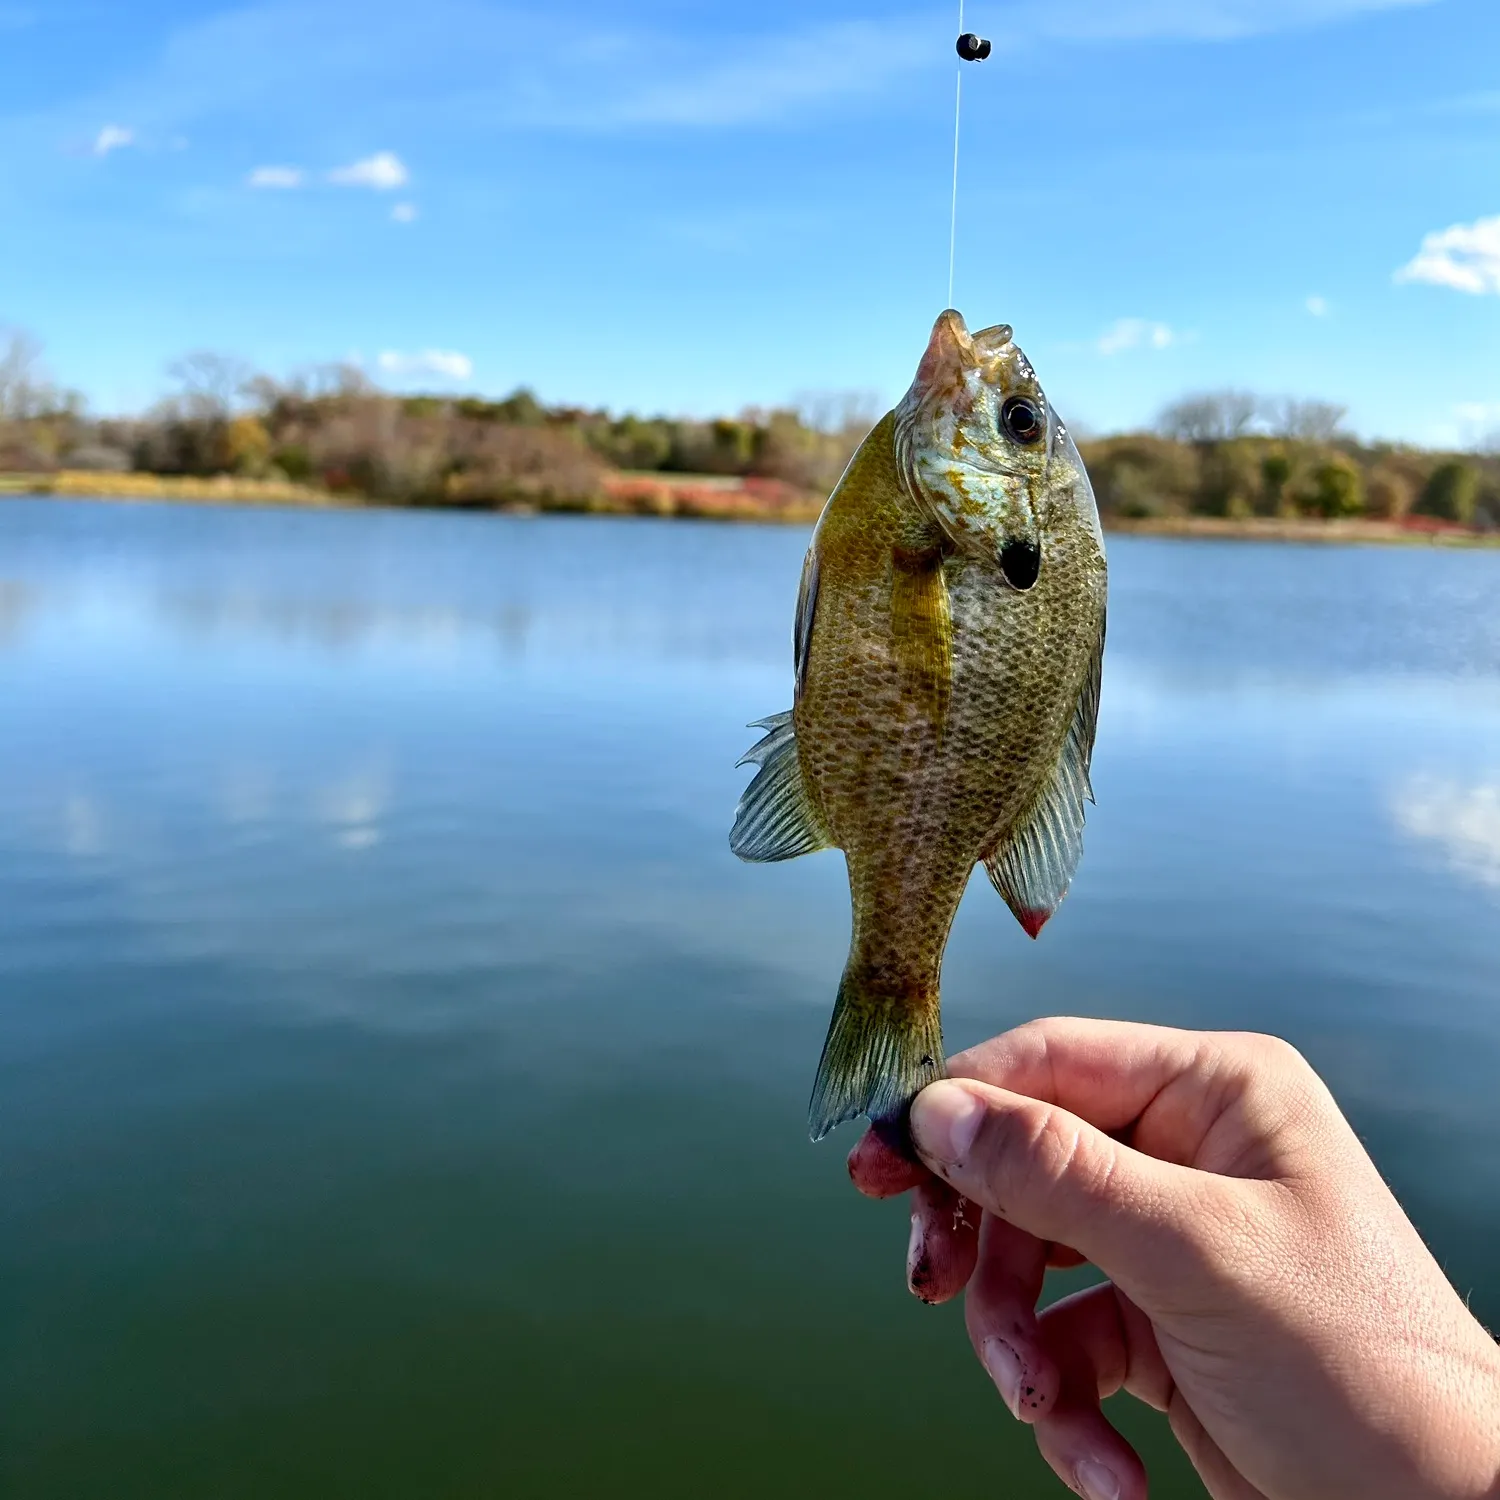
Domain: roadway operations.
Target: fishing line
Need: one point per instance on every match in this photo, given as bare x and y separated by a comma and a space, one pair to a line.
958, 105
970, 48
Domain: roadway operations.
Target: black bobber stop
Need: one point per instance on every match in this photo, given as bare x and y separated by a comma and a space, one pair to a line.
973, 48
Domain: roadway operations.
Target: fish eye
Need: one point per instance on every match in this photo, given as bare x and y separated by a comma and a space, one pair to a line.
1021, 562
1021, 417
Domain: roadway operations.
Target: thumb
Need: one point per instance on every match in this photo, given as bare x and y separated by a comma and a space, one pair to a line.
1059, 1178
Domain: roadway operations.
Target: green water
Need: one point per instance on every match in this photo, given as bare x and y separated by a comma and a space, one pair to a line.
402, 1089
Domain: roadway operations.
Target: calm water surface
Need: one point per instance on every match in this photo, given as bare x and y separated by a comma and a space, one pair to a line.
402, 1088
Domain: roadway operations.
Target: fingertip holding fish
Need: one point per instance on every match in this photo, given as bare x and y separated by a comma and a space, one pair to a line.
1018, 1382
918, 1261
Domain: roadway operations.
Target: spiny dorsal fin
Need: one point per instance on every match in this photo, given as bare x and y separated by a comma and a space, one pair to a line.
807, 609
1034, 868
775, 818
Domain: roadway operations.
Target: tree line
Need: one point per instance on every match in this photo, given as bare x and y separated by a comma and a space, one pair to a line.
1226, 453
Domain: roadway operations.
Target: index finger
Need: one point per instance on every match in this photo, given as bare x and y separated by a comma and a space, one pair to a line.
1170, 1085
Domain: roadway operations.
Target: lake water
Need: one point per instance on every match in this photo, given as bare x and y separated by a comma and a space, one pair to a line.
402, 1088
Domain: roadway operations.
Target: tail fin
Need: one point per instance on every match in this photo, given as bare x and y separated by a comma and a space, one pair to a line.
879, 1055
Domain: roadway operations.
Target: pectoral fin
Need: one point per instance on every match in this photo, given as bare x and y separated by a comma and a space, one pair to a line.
776, 818
1035, 866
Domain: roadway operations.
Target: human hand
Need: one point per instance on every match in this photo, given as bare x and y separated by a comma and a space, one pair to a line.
1266, 1290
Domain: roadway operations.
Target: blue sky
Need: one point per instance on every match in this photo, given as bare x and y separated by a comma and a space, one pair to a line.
665, 206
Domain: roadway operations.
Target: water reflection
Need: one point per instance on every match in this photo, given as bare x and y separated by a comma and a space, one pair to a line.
1462, 820
383, 1020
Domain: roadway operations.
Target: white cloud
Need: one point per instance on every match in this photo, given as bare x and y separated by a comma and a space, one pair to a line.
405, 213
111, 138
1317, 306
1478, 412
276, 177
1135, 333
1463, 821
445, 362
1463, 256
1478, 426
384, 171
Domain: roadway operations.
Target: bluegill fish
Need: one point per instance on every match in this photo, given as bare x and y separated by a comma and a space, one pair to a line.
948, 643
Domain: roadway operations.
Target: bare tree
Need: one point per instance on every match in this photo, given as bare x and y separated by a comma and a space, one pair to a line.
1210, 417
25, 390
839, 412
1305, 421
210, 385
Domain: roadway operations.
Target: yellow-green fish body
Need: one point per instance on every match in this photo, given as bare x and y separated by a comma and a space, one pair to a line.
948, 642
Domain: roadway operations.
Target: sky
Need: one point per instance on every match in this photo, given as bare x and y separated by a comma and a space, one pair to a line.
693, 208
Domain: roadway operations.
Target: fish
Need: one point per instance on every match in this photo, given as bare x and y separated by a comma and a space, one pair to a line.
948, 647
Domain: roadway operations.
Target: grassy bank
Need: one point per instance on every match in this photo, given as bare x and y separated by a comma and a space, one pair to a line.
714, 497
1407, 532
220, 488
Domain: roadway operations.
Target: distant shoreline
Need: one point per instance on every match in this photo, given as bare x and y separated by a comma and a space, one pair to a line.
699, 499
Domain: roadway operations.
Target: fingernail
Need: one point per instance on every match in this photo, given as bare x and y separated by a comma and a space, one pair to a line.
916, 1262
1006, 1370
1096, 1482
944, 1121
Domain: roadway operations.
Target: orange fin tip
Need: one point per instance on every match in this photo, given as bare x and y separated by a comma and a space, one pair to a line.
1033, 919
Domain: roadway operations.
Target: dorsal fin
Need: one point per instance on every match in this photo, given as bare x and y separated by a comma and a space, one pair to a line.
1035, 866
775, 818
807, 610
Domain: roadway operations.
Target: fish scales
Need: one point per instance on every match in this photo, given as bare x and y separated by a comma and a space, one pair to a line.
948, 646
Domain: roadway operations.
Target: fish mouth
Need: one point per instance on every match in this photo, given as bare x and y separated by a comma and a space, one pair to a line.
952, 347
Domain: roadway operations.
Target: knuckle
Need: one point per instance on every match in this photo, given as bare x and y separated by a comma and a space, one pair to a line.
1267, 1051
1033, 1150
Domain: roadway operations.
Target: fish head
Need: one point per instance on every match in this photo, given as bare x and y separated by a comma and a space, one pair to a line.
982, 451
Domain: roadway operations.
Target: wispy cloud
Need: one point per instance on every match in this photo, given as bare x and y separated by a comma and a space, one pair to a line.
1486, 102
1136, 333
1477, 425
1463, 821
763, 79
404, 213
276, 177
385, 171
1478, 411
112, 138
1465, 257
500, 65
448, 363
1200, 20
1317, 306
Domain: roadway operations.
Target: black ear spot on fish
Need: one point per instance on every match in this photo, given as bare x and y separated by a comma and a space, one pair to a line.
1021, 417
1021, 562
